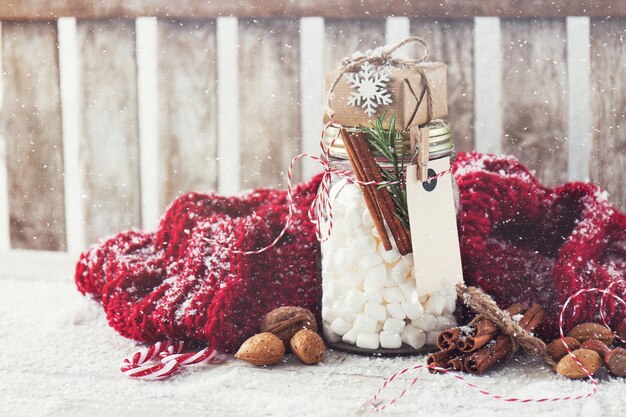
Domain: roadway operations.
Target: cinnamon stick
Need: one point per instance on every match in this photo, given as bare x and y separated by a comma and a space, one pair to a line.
492, 353
484, 358
441, 359
372, 173
458, 363
368, 195
449, 339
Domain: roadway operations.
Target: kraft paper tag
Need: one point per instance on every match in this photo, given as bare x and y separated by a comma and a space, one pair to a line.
434, 235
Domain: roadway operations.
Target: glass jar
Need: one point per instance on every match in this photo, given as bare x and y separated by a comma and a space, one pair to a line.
369, 299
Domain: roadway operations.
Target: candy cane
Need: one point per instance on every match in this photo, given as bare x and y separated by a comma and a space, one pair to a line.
594, 384
171, 360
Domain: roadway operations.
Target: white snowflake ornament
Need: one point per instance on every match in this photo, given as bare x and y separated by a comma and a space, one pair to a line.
371, 89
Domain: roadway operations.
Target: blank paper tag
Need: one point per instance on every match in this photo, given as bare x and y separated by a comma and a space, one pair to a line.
434, 236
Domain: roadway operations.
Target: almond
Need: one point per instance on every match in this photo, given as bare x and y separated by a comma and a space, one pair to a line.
568, 367
556, 348
308, 347
261, 349
616, 361
587, 331
596, 346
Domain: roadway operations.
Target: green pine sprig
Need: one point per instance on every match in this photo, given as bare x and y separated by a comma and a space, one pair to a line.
383, 142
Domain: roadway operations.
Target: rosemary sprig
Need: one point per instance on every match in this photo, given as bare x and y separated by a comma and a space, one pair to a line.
383, 142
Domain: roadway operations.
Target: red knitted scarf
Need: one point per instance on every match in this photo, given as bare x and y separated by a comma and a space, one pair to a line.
520, 242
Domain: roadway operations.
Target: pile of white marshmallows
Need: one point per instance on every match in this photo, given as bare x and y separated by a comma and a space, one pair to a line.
369, 295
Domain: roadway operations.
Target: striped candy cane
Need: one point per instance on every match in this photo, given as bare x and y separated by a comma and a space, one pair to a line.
163, 359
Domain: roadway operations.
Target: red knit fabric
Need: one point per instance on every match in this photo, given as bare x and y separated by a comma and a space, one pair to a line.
520, 242
174, 284
525, 242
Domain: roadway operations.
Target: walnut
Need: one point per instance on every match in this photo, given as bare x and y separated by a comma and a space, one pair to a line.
284, 322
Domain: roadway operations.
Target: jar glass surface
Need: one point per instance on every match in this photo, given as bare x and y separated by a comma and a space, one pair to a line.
369, 298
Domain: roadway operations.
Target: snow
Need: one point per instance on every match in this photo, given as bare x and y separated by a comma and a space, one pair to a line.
61, 358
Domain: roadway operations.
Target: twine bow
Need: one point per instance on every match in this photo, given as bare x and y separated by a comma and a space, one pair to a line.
486, 308
380, 56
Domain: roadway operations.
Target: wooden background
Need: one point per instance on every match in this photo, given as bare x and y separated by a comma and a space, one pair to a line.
108, 114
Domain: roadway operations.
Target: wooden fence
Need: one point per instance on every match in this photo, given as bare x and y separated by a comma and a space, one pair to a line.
111, 109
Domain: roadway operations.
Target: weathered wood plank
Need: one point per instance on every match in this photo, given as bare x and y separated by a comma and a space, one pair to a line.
534, 96
109, 127
450, 41
97, 9
31, 126
608, 102
188, 108
345, 36
488, 85
269, 107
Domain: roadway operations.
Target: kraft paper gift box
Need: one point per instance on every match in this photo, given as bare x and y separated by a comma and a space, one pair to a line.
405, 87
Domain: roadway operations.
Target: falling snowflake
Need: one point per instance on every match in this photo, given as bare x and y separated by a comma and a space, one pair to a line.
371, 89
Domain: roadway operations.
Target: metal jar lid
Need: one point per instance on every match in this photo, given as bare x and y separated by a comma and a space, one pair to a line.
440, 139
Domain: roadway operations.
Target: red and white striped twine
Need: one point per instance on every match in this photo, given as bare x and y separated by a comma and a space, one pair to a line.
163, 359
378, 406
320, 211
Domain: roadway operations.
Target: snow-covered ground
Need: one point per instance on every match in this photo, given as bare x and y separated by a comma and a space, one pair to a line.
61, 358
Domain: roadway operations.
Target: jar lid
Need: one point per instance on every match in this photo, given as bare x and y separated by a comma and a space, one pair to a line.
440, 139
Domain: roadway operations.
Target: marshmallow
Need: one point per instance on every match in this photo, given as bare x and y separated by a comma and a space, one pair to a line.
375, 311
350, 336
355, 299
445, 322
351, 279
389, 256
408, 259
368, 341
329, 335
409, 292
366, 263
399, 271
431, 338
376, 278
362, 245
364, 324
341, 258
340, 230
373, 296
335, 288
435, 305
412, 310
343, 311
393, 325
413, 336
427, 322
328, 315
340, 326
396, 311
353, 218
393, 295
390, 340
366, 219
